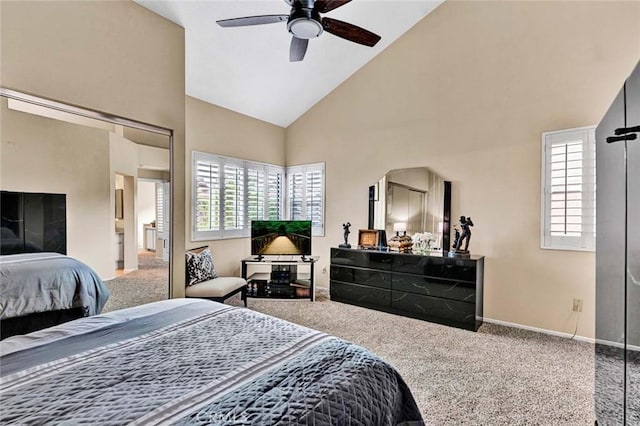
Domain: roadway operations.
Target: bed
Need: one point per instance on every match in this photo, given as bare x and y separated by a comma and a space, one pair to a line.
38, 290
194, 361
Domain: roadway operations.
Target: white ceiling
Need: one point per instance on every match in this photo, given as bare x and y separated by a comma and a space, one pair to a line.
247, 69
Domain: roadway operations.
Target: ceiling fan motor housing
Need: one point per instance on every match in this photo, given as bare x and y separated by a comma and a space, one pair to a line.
304, 22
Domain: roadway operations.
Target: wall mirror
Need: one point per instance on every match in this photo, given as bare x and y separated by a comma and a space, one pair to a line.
412, 200
115, 174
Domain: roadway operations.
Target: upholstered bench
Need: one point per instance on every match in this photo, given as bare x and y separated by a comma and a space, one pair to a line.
218, 289
202, 280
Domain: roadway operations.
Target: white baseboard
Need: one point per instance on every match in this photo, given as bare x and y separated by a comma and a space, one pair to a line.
539, 330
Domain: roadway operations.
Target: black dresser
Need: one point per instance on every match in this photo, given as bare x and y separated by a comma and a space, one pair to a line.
433, 288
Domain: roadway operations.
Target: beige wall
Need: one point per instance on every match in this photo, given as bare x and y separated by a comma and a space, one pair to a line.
220, 131
467, 92
39, 154
116, 57
146, 203
153, 158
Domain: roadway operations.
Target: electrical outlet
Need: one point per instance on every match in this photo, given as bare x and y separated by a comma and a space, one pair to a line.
577, 305
324, 269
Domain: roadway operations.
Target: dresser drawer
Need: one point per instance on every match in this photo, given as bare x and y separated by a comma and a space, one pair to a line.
456, 290
360, 295
441, 267
342, 273
361, 258
434, 308
368, 277
373, 278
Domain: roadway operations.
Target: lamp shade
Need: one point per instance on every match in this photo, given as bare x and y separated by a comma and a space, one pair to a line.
399, 227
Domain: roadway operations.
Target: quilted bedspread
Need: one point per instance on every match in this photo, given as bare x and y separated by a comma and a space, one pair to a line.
42, 282
196, 362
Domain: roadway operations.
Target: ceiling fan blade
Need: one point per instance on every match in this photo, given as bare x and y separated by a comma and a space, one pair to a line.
350, 32
324, 6
252, 20
298, 49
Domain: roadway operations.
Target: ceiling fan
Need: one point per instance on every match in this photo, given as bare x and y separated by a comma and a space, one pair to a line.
304, 23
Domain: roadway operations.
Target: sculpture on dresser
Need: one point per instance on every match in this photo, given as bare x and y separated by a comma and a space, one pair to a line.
465, 235
345, 227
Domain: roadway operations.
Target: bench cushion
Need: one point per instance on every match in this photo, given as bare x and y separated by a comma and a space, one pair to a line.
217, 287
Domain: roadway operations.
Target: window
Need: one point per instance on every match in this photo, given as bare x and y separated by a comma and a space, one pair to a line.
306, 195
159, 210
229, 193
161, 207
568, 189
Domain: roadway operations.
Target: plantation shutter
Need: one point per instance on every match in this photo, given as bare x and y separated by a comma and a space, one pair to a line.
234, 201
296, 196
274, 196
159, 210
255, 193
206, 195
569, 189
306, 195
315, 199
228, 193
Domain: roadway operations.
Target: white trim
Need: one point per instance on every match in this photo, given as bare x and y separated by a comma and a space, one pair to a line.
543, 188
539, 330
561, 334
618, 345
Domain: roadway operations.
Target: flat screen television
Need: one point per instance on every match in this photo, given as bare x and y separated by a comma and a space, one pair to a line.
281, 237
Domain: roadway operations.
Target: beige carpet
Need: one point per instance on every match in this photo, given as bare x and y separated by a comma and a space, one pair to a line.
497, 376
147, 284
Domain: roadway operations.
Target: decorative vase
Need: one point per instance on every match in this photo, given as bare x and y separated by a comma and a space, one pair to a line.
421, 247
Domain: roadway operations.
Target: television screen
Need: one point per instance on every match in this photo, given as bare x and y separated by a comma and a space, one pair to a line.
281, 237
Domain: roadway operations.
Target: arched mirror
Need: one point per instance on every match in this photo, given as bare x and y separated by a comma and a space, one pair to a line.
412, 200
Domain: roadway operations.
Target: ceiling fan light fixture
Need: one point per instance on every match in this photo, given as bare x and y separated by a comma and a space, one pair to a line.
304, 28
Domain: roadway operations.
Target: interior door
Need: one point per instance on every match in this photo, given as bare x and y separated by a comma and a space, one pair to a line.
632, 91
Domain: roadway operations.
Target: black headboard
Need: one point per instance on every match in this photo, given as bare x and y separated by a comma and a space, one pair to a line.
33, 222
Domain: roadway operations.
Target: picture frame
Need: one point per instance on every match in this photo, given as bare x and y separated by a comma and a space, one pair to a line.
372, 238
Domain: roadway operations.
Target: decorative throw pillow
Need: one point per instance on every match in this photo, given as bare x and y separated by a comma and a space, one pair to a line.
200, 266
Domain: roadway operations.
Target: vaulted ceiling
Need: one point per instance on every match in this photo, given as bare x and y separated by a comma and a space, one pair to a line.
247, 69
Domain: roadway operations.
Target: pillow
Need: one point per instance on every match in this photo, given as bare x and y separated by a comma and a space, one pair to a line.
200, 266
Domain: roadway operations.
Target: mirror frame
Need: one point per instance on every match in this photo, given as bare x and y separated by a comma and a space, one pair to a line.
113, 119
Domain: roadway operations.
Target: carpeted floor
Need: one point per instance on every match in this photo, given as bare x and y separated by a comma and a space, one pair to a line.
497, 376
149, 283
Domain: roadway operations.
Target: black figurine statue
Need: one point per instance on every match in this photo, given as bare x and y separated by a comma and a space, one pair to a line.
465, 225
346, 227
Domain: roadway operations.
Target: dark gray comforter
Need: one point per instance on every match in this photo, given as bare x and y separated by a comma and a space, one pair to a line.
42, 282
198, 362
